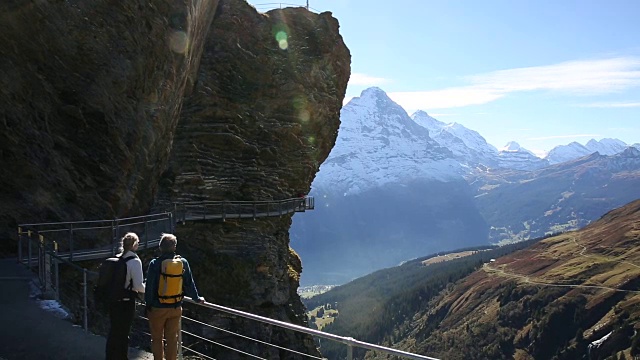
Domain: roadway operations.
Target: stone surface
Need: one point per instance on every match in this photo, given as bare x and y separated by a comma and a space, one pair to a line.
90, 96
112, 109
261, 119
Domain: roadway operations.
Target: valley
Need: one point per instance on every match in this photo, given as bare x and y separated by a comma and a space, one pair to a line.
542, 299
397, 186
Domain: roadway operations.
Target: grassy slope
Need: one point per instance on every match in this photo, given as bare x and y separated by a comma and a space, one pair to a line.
547, 301
370, 307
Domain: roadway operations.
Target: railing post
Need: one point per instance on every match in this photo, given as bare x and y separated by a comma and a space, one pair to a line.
224, 213
43, 262
29, 242
84, 300
349, 352
114, 233
180, 339
146, 234
70, 242
57, 269
19, 244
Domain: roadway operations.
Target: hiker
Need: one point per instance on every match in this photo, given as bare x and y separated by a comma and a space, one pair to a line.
123, 310
168, 280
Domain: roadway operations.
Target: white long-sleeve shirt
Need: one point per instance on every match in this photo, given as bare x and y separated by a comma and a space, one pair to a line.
134, 272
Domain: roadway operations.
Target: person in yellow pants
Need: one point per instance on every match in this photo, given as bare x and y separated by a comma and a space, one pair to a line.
169, 278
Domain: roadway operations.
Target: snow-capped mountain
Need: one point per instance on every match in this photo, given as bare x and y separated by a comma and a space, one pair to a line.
396, 186
606, 146
467, 145
563, 153
513, 156
574, 150
378, 143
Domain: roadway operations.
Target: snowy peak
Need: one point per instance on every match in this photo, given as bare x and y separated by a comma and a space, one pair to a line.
378, 143
423, 119
606, 146
512, 146
575, 150
467, 145
514, 156
564, 153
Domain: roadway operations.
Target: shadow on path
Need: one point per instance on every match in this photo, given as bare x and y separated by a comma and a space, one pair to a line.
30, 332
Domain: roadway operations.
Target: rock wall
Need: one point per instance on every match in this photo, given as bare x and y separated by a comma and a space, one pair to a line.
112, 109
90, 96
262, 116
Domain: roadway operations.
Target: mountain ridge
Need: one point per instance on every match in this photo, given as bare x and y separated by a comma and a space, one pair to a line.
548, 299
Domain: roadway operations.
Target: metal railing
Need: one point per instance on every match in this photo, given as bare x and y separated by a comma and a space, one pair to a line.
223, 210
76, 241
351, 343
42, 244
280, 5
48, 261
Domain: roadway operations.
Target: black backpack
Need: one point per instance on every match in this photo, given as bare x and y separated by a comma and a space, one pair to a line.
111, 277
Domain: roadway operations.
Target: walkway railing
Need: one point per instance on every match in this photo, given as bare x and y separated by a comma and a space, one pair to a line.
279, 5
76, 240
351, 343
78, 293
44, 247
223, 210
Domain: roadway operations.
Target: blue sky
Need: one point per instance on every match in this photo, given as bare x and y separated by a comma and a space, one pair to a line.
542, 73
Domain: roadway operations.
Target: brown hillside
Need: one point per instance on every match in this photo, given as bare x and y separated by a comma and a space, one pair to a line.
548, 301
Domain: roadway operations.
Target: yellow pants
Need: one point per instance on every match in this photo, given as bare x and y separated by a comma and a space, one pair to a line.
165, 322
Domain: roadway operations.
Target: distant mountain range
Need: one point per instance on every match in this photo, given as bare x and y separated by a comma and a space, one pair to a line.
397, 186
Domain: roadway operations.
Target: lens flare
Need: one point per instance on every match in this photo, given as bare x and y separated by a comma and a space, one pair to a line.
281, 38
304, 116
178, 42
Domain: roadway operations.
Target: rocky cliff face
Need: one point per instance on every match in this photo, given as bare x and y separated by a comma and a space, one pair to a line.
115, 109
90, 96
262, 116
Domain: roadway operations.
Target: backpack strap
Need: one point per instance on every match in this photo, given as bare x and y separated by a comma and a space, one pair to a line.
130, 287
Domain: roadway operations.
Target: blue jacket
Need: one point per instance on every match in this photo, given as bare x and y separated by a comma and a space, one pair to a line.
153, 279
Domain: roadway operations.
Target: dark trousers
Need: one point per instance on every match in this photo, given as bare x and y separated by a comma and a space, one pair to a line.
121, 314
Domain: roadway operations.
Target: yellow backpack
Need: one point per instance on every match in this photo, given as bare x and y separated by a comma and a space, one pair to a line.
170, 285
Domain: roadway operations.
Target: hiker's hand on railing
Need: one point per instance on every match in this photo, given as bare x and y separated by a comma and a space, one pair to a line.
200, 300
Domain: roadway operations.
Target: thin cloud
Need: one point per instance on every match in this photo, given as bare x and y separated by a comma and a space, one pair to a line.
583, 77
564, 137
360, 79
612, 105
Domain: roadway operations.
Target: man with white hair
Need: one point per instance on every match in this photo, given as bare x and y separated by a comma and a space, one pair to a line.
168, 280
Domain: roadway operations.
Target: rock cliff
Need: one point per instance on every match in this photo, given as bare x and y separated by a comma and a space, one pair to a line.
116, 109
261, 118
90, 96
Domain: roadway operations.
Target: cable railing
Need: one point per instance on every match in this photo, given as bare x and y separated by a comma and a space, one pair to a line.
279, 5
351, 343
45, 247
77, 240
223, 210
78, 292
